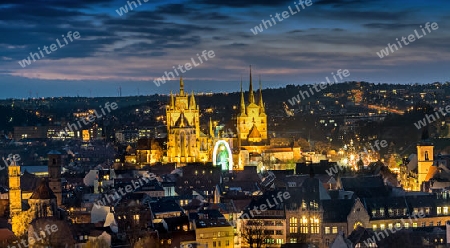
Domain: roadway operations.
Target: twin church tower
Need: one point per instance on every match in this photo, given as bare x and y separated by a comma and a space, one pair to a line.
187, 143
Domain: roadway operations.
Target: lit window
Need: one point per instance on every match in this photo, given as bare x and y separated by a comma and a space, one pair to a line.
406, 225
293, 226
304, 225
445, 210
415, 224
439, 210
315, 225
374, 227
390, 226
335, 229
382, 227
327, 230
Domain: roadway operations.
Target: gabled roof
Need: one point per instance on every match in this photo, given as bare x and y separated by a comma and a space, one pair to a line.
43, 191
254, 133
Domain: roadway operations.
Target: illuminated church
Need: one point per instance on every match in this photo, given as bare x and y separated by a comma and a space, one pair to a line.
185, 143
252, 121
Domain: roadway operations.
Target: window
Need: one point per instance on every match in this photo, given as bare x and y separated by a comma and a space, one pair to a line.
445, 210
278, 232
431, 223
214, 244
439, 210
374, 227
280, 241
327, 230
220, 243
293, 225
438, 223
406, 225
304, 225
335, 230
314, 225
416, 211
398, 225
227, 242
390, 226
427, 211
293, 240
327, 242
382, 227
382, 212
415, 224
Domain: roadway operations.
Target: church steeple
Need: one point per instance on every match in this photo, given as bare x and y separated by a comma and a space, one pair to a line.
172, 101
261, 102
181, 86
251, 97
211, 132
242, 101
192, 103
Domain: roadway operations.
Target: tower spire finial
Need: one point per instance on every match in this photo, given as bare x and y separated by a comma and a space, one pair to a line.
251, 97
242, 100
261, 102
181, 86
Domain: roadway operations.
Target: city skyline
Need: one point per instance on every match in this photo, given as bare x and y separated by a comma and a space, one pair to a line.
131, 49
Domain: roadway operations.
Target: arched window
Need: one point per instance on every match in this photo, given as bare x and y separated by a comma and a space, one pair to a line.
293, 225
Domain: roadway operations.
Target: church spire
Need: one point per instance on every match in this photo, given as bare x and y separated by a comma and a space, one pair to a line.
192, 103
211, 132
181, 86
251, 97
172, 101
242, 100
261, 102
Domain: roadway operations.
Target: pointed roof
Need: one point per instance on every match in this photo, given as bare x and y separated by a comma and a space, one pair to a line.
261, 102
172, 100
254, 133
43, 191
251, 97
192, 103
182, 121
242, 112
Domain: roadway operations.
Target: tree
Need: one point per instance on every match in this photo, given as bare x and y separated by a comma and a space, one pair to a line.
254, 234
20, 223
322, 147
147, 242
97, 243
304, 144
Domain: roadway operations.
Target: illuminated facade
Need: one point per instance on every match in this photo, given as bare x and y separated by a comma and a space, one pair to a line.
185, 143
424, 162
15, 193
252, 121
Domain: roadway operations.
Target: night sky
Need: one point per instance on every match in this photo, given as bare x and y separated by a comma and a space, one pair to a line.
131, 50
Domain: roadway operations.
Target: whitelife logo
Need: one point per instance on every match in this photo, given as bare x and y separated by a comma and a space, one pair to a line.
187, 66
49, 229
411, 38
73, 127
284, 14
53, 47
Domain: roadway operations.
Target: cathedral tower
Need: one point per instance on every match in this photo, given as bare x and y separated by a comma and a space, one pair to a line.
252, 120
186, 143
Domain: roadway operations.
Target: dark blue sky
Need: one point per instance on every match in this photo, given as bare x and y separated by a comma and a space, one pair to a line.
131, 50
